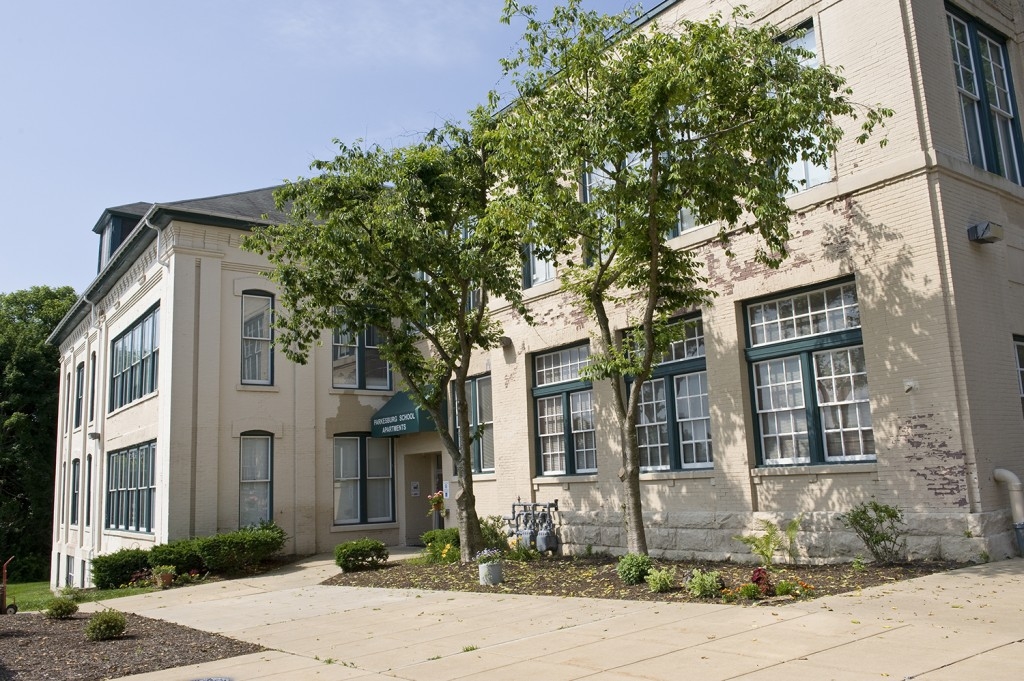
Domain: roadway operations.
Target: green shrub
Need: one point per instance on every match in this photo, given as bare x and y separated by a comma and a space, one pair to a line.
880, 527
519, 551
787, 588
661, 581
242, 550
105, 625
61, 608
749, 591
705, 584
183, 554
442, 546
72, 592
773, 538
118, 568
361, 554
495, 532
633, 567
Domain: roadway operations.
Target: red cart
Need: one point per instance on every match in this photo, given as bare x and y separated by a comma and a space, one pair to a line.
4, 608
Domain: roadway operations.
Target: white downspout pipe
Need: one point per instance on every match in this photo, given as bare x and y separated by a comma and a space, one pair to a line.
1016, 490
159, 257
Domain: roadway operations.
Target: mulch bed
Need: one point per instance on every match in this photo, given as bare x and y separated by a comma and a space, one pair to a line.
595, 577
33, 647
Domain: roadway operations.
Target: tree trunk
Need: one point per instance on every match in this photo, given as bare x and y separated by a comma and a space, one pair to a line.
632, 511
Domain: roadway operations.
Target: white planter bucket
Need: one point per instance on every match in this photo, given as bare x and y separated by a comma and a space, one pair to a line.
490, 574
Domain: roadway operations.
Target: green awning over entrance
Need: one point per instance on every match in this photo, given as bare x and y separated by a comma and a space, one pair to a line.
401, 416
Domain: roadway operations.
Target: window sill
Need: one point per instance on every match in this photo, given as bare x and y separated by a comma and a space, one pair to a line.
683, 474
814, 470
364, 527
125, 407
564, 480
376, 392
256, 388
128, 534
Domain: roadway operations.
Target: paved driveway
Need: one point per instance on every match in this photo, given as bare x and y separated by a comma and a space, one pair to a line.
962, 625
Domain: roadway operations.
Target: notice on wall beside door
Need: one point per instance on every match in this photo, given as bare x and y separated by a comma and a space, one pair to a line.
414, 488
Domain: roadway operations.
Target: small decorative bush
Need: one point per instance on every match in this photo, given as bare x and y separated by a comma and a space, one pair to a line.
242, 550
105, 625
633, 567
520, 551
765, 545
442, 546
361, 554
787, 588
495, 532
72, 592
749, 591
61, 608
183, 554
117, 569
880, 527
661, 581
705, 584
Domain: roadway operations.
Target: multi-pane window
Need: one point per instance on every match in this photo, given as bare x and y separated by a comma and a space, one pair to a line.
356, 361
987, 108
1018, 346
809, 378
685, 222
255, 479
76, 479
481, 422
803, 172
364, 482
79, 392
674, 423
131, 488
134, 361
536, 269
566, 438
257, 338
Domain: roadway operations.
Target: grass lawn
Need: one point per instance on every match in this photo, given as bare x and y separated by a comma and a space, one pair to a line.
36, 595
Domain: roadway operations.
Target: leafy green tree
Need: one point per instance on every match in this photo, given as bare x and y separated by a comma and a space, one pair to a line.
702, 116
398, 239
29, 379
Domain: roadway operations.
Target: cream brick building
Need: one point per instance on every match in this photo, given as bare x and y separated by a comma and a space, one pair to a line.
883, 360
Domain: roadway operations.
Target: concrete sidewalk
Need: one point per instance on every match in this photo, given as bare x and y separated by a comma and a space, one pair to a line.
966, 624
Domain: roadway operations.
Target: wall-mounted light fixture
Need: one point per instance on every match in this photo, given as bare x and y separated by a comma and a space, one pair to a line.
985, 232
505, 341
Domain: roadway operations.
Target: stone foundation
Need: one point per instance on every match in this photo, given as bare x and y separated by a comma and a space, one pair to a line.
961, 537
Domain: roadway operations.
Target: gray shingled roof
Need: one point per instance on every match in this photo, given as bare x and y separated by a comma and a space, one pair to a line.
240, 210
250, 205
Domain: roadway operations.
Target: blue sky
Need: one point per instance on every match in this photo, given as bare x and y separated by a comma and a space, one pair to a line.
111, 102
